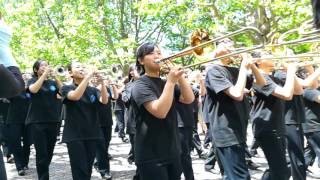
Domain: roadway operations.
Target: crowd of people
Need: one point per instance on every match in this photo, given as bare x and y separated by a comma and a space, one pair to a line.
159, 111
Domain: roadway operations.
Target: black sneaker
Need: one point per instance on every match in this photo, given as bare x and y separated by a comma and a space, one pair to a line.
130, 160
203, 155
106, 175
125, 140
252, 165
253, 152
212, 170
10, 160
313, 174
21, 172
109, 156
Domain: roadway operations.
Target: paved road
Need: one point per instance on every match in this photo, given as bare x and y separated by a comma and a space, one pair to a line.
120, 168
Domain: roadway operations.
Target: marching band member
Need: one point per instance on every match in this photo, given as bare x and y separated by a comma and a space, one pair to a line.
44, 115
81, 131
156, 141
228, 112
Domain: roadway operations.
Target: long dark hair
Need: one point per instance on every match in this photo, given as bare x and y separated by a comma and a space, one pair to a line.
36, 66
142, 51
131, 68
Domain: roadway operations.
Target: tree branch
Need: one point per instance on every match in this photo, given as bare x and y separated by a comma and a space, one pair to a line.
56, 30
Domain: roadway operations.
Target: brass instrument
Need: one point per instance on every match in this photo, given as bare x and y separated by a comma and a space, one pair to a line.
311, 36
190, 50
60, 71
298, 57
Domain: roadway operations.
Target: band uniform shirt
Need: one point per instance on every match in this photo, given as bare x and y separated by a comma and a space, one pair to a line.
105, 112
294, 109
82, 121
18, 108
228, 118
186, 112
11, 81
45, 107
267, 113
312, 109
156, 140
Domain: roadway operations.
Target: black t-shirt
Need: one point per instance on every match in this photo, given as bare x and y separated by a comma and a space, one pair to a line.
45, 106
156, 139
4, 106
185, 112
312, 109
18, 108
267, 113
11, 81
82, 121
228, 118
294, 109
105, 112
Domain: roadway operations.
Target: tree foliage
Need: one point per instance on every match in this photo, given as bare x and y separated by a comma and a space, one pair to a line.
106, 32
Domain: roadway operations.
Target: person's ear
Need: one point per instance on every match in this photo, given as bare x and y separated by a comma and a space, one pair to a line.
141, 61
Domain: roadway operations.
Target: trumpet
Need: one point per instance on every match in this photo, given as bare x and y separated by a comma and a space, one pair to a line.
60, 71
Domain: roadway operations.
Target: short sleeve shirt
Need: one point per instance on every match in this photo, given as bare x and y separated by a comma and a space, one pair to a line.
156, 139
45, 106
105, 112
228, 118
312, 109
267, 113
294, 109
82, 121
18, 108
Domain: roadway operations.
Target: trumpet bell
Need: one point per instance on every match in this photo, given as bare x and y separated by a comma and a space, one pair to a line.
60, 71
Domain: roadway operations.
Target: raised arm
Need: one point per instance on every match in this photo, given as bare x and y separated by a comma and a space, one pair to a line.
76, 94
312, 80
236, 92
286, 92
35, 87
160, 107
187, 95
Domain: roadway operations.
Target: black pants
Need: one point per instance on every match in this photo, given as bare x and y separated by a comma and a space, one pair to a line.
131, 152
20, 153
314, 142
207, 138
274, 149
3, 175
44, 136
81, 154
255, 145
160, 171
185, 135
211, 160
103, 162
120, 122
295, 145
4, 140
196, 143
309, 155
233, 162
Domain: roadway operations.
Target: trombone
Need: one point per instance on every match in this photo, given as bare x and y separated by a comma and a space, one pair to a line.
190, 50
298, 57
